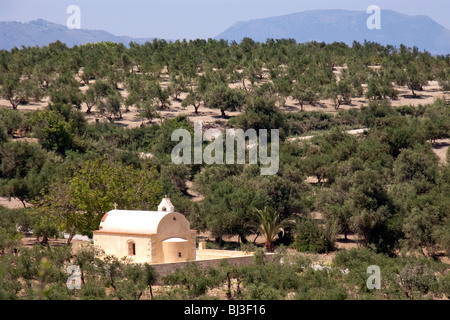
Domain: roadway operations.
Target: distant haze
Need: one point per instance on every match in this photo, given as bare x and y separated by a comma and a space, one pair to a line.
346, 26
317, 25
178, 19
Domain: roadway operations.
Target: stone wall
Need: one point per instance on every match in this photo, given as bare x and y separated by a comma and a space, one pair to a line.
207, 254
164, 269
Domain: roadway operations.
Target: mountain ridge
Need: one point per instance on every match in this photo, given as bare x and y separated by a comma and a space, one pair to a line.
330, 25
41, 32
338, 25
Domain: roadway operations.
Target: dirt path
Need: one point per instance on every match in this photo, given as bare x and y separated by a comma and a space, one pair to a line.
440, 148
353, 131
12, 203
196, 197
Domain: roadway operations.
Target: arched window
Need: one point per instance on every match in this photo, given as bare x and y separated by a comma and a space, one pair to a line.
131, 248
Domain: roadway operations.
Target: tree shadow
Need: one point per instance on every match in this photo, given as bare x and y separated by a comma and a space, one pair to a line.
290, 108
350, 242
440, 144
417, 96
120, 124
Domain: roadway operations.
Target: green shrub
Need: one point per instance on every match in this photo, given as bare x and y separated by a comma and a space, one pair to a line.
311, 237
444, 285
92, 291
262, 291
59, 292
417, 278
12, 120
319, 285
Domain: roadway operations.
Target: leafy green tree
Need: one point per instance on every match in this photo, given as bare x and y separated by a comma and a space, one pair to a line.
437, 120
79, 203
417, 166
56, 206
194, 98
177, 85
376, 109
111, 107
305, 90
371, 215
261, 113
65, 89
15, 90
335, 206
137, 279
420, 229
45, 73
231, 275
228, 210
149, 277
412, 75
340, 93
444, 79
147, 111
25, 170
12, 120
312, 237
224, 98
3, 133
10, 235
162, 145
282, 85
191, 277
175, 175
90, 99
88, 74
380, 87
161, 95
399, 133
101, 89
143, 88
52, 130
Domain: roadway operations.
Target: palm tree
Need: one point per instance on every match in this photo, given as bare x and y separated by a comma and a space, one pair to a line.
270, 225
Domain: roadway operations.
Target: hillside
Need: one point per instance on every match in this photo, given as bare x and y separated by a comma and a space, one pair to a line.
41, 32
346, 26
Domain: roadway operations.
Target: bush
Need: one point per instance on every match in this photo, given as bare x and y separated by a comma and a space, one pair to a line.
444, 285
302, 122
52, 130
12, 120
3, 134
401, 277
319, 285
59, 292
311, 237
262, 291
417, 278
248, 247
92, 291
262, 114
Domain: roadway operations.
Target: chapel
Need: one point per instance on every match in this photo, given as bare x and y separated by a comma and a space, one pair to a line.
161, 236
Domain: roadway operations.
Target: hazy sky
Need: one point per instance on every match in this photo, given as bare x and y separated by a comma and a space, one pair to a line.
178, 19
